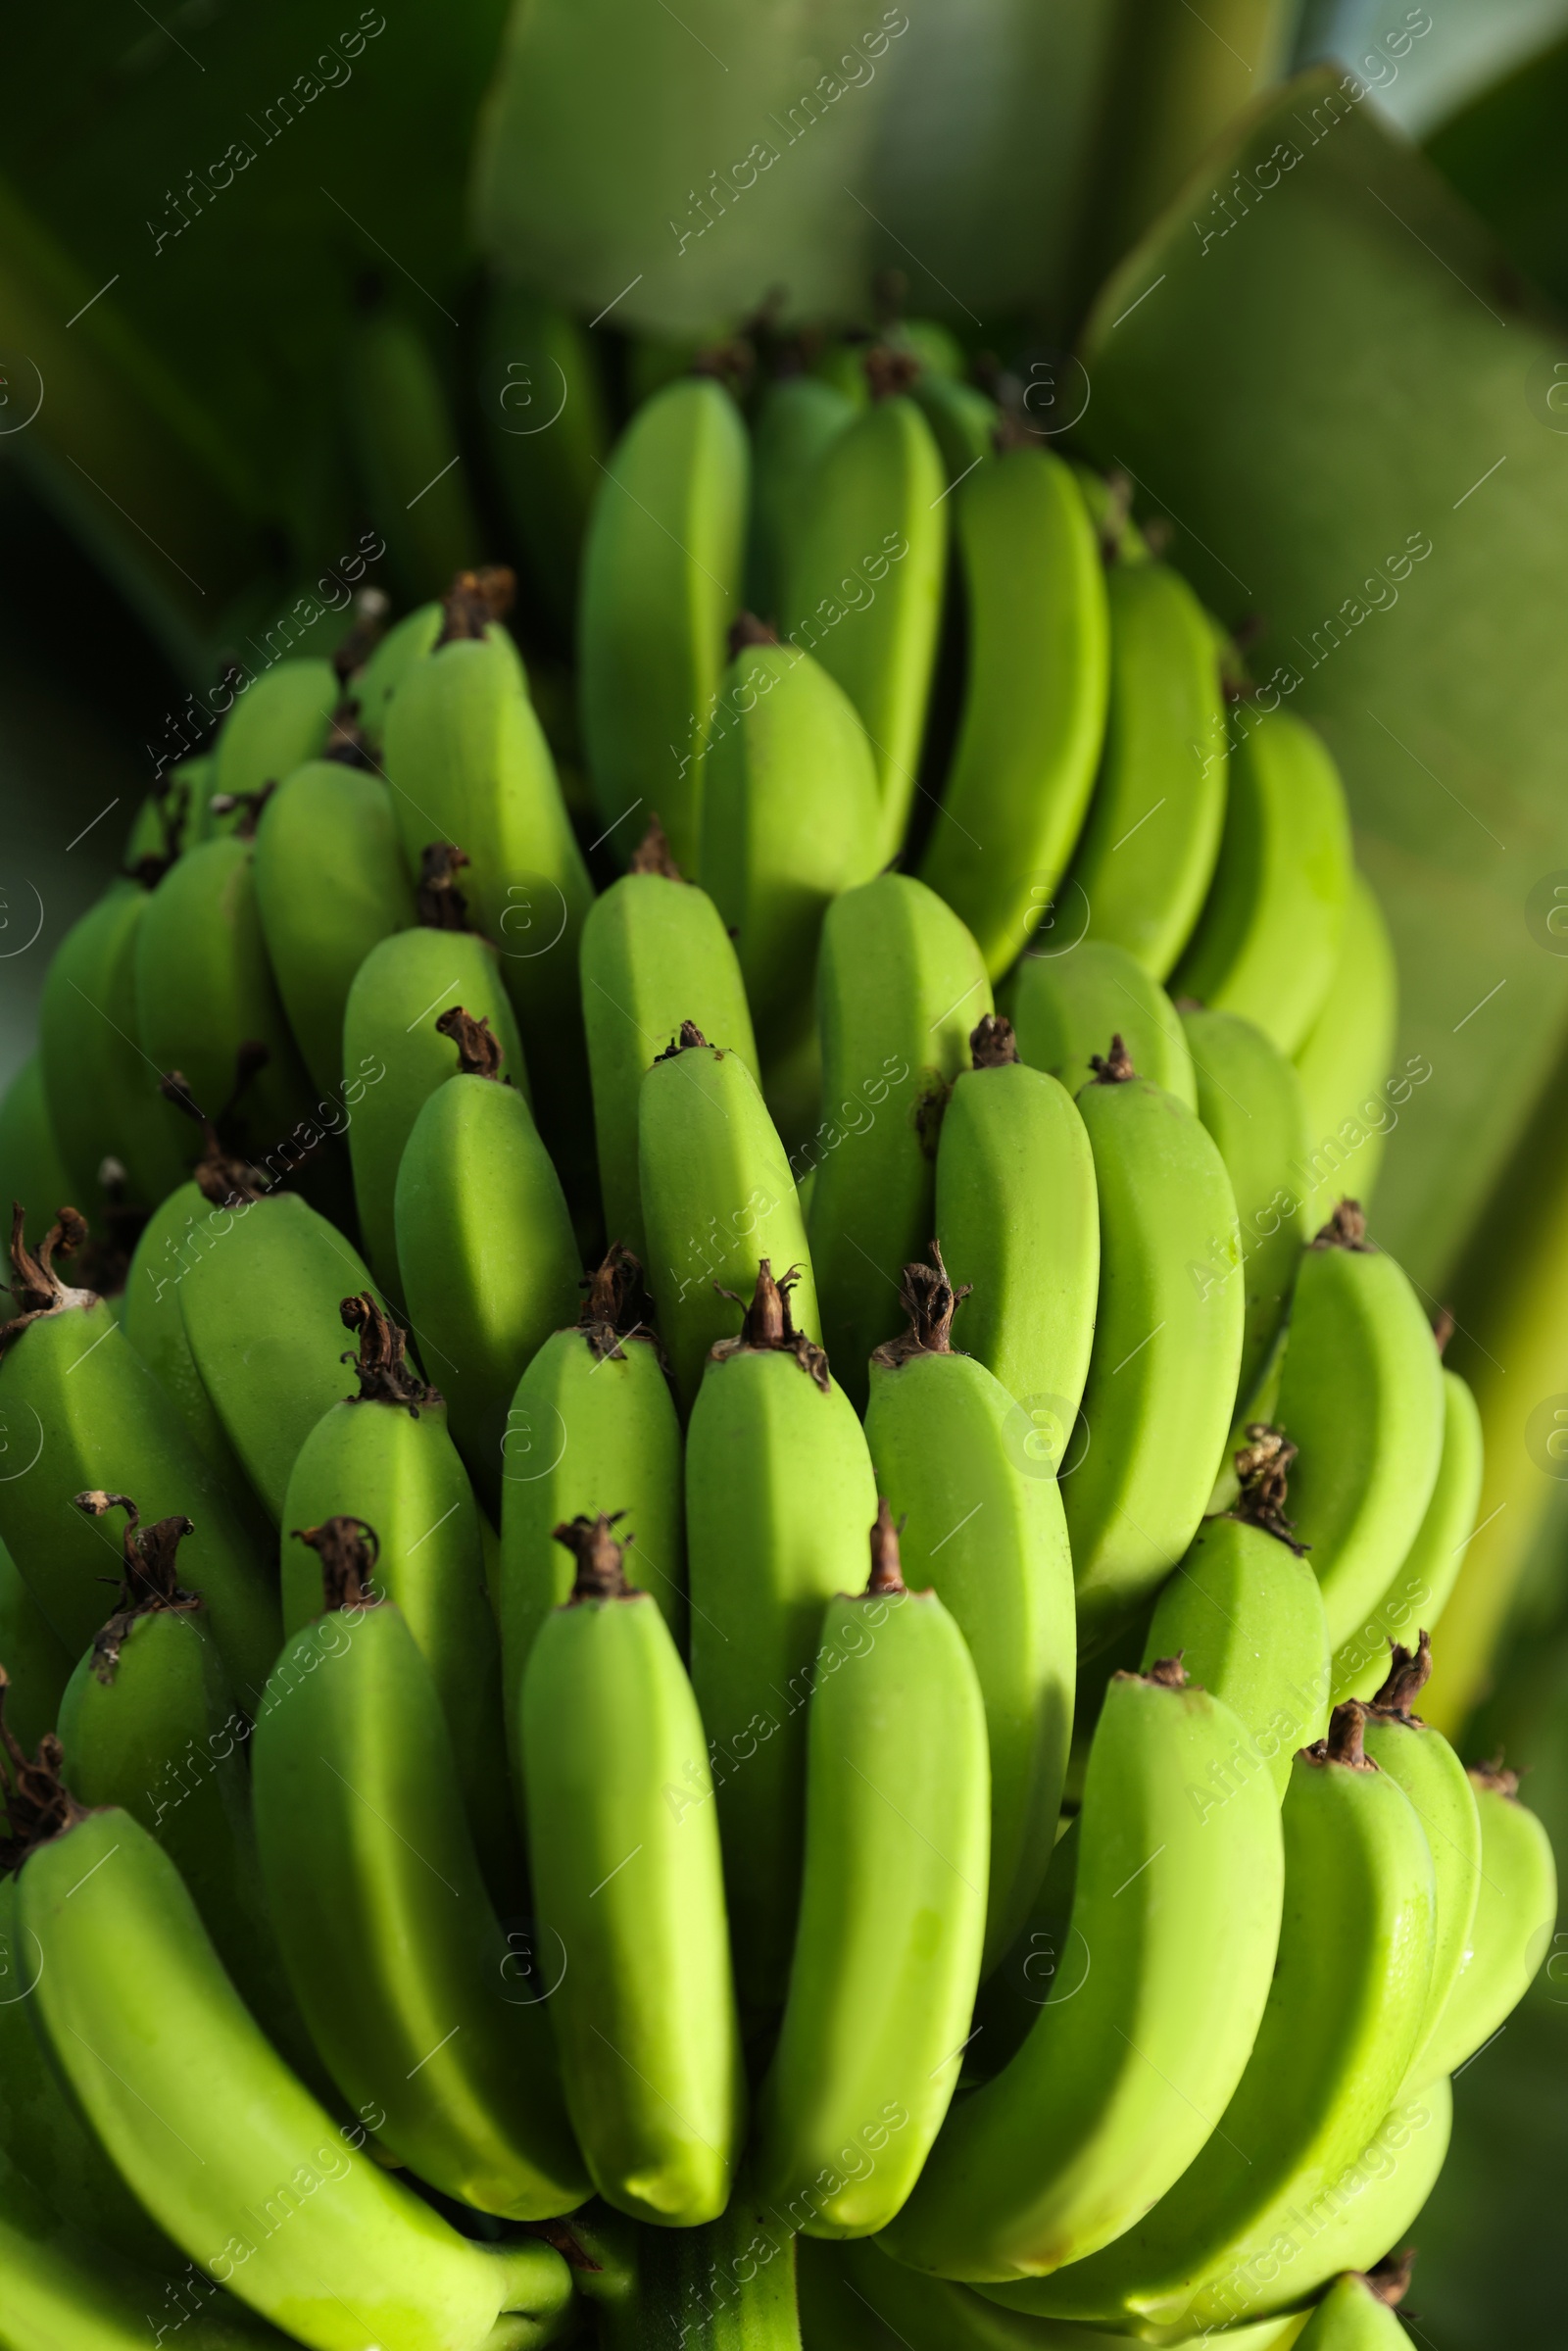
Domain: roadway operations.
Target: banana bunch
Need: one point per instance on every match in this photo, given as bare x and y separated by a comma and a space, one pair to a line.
719, 1535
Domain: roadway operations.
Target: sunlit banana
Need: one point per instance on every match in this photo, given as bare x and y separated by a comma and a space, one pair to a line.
1510, 1934
798, 417
282, 718
1345, 1056
1065, 1003
549, 430
1357, 2313
404, 441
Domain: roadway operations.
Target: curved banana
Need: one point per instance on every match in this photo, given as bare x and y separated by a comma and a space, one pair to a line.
371, 688
893, 1902
374, 1884
790, 819
1361, 1394
1511, 1931
486, 1252
1128, 2065
329, 887
718, 1196
384, 1456
1017, 1208
1268, 938
250, 2175
863, 591
32, 1169
1147, 852
150, 1317
404, 440
798, 419
661, 577
1168, 1343
548, 433
901, 983
963, 420
1244, 1612
33, 1655
971, 1473
1357, 2313
1330, 2053
1344, 1059
623, 1848
282, 718
655, 953
1034, 713
779, 1493
71, 1384
1065, 1004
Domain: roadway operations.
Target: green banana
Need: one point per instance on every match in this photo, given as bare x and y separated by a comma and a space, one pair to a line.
34, 1653
1357, 2313
1268, 938
1343, 2015
662, 575
791, 818
592, 1429
1065, 1004
1153, 835
329, 887
72, 1387
1511, 1931
150, 1317
900, 985
168, 822
400, 651
728, 2283
798, 419
374, 1882
779, 1494
32, 1169
1017, 1204
1168, 1343
1125, 2072
655, 953
1361, 1394
383, 1455
1344, 1059
99, 1067
862, 590
893, 1901
548, 434
486, 1253
840, 360
1244, 1612
971, 1473
627, 1882
396, 1056
1250, 1099
963, 422
1034, 714
1419, 1590
250, 2175
406, 448
717, 1194
282, 718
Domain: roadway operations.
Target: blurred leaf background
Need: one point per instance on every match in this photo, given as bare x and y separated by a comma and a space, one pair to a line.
1316, 319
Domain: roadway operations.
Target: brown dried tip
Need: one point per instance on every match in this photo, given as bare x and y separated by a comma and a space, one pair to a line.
1169, 1673
746, 630
1497, 1777
690, 1037
1262, 1466
887, 1573
615, 1302
731, 361
478, 1051
1409, 1672
652, 853
149, 1580
601, 1575
474, 600
222, 1175
35, 1800
348, 1550
991, 1043
248, 805
441, 904
930, 1301
1343, 1741
1390, 2280
1442, 1329
889, 373
1114, 1069
385, 1376
1346, 1229
37, 1289
766, 1326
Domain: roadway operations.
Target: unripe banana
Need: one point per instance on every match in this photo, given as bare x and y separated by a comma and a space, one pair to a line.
963, 422
406, 448
1419, 1590
486, 1252
1268, 938
623, 1848
169, 821
143, 2022
329, 887
1017, 1207
718, 1196
399, 652
1357, 2313
375, 1884
1511, 1931
662, 578
1244, 1614
549, 433
396, 1056
798, 419
1344, 1059
32, 1169
33, 1655
974, 1485
862, 592
1034, 714
151, 1319
283, 718
1361, 1394
1065, 1004
779, 1493
1168, 1343
1126, 2067
1147, 852
384, 1456
655, 953
901, 983
1344, 2011
592, 1430
72, 1386
893, 1903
